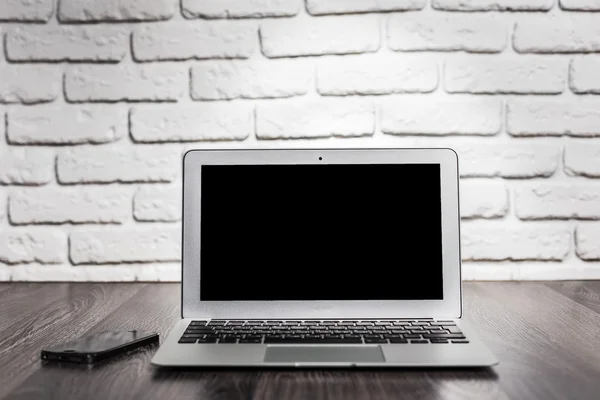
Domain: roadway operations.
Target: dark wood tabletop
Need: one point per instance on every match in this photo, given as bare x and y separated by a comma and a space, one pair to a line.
546, 336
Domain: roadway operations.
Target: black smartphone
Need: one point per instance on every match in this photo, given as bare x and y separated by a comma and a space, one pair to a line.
98, 347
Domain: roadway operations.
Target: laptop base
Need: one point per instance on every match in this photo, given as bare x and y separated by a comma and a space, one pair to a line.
174, 354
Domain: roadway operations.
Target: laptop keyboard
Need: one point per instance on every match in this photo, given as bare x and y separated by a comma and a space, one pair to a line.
324, 332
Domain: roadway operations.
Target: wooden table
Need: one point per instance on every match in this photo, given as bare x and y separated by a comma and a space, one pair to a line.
546, 336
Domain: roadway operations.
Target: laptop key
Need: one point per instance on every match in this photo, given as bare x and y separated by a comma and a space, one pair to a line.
392, 336
187, 340
412, 336
198, 323
372, 341
372, 336
444, 336
228, 340
398, 340
313, 341
248, 340
311, 336
460, 341
438, 340
452, 329
199, 330
207, 340
419, 341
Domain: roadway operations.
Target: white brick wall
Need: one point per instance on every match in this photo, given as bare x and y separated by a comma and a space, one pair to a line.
99, 100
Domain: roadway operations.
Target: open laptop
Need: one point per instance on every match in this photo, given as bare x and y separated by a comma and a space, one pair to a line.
314, 258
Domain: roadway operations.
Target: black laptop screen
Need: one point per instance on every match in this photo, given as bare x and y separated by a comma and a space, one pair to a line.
321, 232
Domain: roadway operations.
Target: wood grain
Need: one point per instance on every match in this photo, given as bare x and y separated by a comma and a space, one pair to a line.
542, 333
153, 308
542, 340
585, 293
46, 314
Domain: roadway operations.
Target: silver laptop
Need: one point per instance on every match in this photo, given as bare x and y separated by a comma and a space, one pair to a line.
321, 258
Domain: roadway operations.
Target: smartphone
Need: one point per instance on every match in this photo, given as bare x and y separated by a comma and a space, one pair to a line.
98, 347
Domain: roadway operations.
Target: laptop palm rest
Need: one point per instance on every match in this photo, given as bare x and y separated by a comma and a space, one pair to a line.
324, 354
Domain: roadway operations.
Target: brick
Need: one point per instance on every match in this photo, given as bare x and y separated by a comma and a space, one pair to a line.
35, 245
68, 273
26, 11
587, 243
198, 40
53, 124
585, 75
125, 245
101, 83
495, 241
489, 74
29, 84
491, 158
582, 158
67, 43
26, 166
294, 120
323, 7
92, 164
157, 203
580, 5
318, 36
558, 201
361, 74
160, 272
240, 8
483, 271
3, 204
224, 80
550, 117
59, 205
205, 121
116, 10
493, 5
482, 199
446, 32
422, 116
156, 272
562, 33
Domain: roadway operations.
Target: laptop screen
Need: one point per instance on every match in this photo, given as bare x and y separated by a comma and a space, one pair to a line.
321, 232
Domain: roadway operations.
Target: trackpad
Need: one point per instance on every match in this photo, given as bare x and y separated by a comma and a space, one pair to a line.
324, 354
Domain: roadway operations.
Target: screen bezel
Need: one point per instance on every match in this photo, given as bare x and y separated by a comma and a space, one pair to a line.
193, 307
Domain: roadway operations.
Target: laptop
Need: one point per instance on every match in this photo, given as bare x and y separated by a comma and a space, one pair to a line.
321, 258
